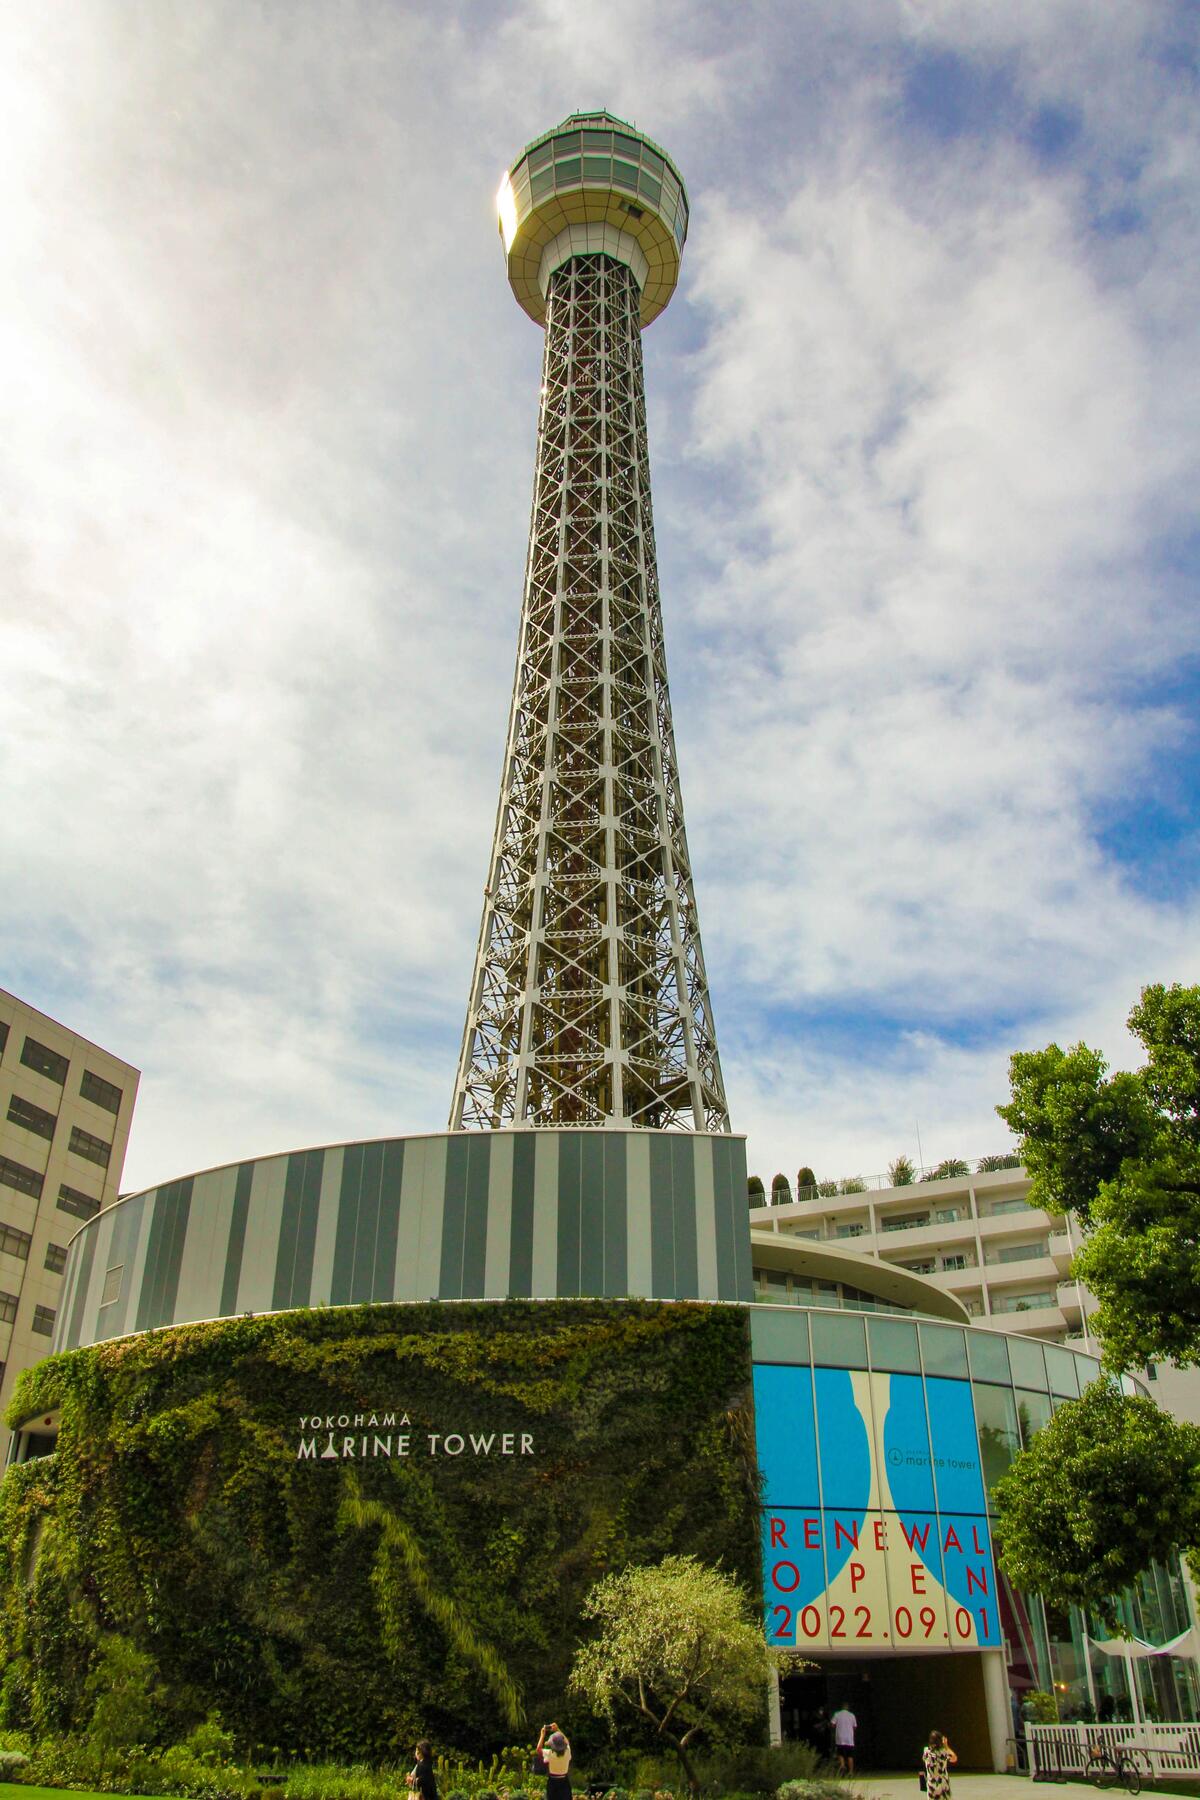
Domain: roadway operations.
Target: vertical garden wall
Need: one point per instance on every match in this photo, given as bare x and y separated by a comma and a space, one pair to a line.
350, 1527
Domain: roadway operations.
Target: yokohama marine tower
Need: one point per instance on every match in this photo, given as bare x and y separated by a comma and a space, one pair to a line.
589, 1001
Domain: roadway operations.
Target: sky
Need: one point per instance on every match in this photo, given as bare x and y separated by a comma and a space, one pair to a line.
924, 434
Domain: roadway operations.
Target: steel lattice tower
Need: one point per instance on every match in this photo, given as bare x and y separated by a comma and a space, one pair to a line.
589, 1003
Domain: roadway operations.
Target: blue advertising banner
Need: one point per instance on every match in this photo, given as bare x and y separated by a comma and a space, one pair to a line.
875, 1529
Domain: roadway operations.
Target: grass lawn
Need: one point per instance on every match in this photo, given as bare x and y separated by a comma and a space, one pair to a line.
17, 1790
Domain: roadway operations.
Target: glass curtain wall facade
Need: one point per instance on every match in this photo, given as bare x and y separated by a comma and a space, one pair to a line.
918, 1385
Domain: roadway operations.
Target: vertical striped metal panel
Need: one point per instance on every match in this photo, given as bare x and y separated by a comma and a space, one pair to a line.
639, 1253
236, 1241
264, 1219
497, 1248
164, 1254
520, 1247
201, 1274
328, 1213
461, 1216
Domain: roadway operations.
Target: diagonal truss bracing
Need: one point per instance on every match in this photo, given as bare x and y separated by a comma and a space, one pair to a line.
589, 1003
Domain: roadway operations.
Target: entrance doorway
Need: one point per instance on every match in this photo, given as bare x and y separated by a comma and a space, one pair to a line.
897, 1701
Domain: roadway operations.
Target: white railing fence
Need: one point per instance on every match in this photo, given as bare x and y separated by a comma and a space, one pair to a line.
1060, 1752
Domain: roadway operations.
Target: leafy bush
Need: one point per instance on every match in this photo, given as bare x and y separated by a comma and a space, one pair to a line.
1040, 1706
953, 1165
827, 1189
826, 1787
10, 1762
335, 1781
901, 1173
985, 1165
760, 1768
852, 1184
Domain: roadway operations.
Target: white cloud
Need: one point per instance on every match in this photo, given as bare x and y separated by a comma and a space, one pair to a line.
920, 429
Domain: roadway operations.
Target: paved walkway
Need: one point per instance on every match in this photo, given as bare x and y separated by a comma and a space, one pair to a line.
974, 1787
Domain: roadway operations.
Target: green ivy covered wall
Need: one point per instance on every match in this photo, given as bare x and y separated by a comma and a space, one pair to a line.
349, 1527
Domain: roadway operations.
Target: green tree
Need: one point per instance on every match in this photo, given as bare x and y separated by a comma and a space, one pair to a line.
901, 1172
806, 1183
1123, 1151
781, 1190
755, 1192
1108, 1486
952, 1165
679, 1647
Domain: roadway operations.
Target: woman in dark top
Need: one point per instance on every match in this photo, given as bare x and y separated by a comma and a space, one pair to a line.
423, 1781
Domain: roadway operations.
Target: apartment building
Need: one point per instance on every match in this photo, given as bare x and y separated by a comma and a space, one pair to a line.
973, 1235
65, 1111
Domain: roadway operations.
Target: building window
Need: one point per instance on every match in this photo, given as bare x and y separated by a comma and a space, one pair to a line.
84, 1144
112, 1284
43, 1320
14, 1242
80, 1206
44, 1061
8, 1308
16, 1175
3, 1035
56, 1258
33, 1118
956, 1261
1010, 1253
905, 1222
848, 1231
100, 1093
1023, 1302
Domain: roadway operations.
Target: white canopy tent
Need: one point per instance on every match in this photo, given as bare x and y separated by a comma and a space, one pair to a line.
1137, 1650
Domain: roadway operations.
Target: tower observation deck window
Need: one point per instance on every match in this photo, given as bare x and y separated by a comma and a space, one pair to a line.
540, 155
596, 168
566, 171
625, 175
567, 145
650, 188
598, 140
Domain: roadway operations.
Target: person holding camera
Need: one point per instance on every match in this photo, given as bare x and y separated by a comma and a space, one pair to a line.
938, 1759
552, 1758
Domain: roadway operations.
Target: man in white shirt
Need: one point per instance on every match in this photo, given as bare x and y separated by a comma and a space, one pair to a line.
844, 1726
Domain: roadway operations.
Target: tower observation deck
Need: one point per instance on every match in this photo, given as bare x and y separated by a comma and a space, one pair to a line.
589, 1001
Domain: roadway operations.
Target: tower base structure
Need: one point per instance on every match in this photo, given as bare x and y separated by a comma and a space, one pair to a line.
545, 1214
360, 1414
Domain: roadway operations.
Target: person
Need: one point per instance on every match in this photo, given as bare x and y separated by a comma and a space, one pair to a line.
422, 1781
844, 1727
938, 1757
552, 1758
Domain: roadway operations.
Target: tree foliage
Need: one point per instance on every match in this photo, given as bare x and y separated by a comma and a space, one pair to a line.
678, 1646
1123, 1151
1108, 1486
